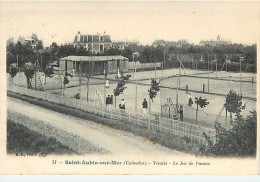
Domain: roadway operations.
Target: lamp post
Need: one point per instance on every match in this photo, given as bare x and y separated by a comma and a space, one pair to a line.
241, 59
208, 73
163, 64
135, 84
18, 70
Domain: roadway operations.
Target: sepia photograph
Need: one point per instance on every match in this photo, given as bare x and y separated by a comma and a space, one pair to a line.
129, 87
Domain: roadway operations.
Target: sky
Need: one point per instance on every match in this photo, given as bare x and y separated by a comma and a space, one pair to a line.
59, 22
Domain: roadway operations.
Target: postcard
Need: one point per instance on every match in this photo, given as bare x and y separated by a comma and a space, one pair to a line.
129, 88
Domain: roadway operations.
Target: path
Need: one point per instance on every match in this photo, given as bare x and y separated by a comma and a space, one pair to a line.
115, 141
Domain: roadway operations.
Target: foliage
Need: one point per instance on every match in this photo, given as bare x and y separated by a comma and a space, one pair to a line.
120, 87
29, 72
154, 88
13, 71
22, 139
240, 140
65, 81
148, 54
48, 71
233, 103
201, 102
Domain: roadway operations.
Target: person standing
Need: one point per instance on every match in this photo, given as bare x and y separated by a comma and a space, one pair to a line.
107, 102
145, 107
107, 84
73, 72
56, 78
122, 104
43, 79
190, 102
181, 113
122, 108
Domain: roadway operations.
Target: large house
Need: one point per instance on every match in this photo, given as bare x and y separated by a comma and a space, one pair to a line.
217, 42
94, 43
32, 42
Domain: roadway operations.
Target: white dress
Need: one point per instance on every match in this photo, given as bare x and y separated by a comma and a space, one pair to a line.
107, 84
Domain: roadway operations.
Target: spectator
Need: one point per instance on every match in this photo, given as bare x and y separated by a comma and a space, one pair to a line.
108, 102
67, 74
43, 79
107, 84
145, 107
181, 113
122, 104
190, 102
73, 72
56, 77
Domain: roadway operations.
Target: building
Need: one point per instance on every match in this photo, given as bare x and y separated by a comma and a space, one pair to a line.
123, 44
32, 42
182, 42
97, 65
179, 43
159, 43
94, 43
10, 41
217, 42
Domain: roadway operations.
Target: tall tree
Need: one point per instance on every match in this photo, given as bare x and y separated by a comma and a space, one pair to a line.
201, 102
233, 103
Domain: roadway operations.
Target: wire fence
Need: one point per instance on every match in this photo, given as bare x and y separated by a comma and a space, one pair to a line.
173, 127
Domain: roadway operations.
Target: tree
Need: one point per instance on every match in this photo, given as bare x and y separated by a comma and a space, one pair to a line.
13, 71
240, 140
112, 51
120, 86
29, 72
201, 102
65, 82
152, 91
39, 45
48, 72
233, 103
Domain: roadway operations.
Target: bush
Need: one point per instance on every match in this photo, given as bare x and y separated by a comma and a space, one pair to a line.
240, 140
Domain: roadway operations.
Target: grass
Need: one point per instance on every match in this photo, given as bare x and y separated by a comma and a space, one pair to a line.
172, 142
20, 139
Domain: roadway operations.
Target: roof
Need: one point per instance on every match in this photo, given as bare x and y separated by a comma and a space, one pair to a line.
92, 39
94, 58
159, 42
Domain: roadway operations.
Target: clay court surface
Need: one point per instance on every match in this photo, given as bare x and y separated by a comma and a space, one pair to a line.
194, 79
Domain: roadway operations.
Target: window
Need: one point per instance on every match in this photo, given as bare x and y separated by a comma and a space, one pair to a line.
101, 48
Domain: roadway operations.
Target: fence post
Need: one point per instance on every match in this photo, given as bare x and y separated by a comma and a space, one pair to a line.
102, 111
187, 89
148, 124
203, 87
